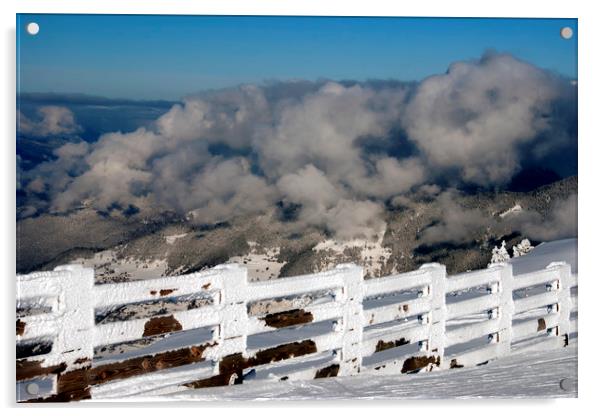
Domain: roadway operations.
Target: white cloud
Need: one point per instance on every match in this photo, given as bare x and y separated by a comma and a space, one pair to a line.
474, 117
52, 121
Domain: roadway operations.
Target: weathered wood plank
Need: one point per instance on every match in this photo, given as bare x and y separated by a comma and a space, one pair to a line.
145, 364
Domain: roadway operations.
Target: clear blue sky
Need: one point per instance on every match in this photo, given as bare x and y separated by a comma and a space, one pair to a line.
148, 57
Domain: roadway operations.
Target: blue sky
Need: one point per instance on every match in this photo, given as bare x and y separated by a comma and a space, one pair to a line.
167, 57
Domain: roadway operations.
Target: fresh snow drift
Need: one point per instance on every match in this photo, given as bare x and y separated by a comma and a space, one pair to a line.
546, 253
533, 374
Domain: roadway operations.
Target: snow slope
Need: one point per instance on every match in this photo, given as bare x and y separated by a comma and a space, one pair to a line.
373, 255
535, 374
546, 253
261, 263
108, 266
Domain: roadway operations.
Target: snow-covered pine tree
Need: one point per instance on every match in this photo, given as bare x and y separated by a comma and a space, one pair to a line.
522, 248
499, 255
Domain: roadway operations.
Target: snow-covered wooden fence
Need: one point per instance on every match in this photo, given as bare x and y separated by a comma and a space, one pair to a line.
77, 340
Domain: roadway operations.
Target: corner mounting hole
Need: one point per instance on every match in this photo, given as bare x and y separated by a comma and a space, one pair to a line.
568, 384
32, 388
33, 28
566, 32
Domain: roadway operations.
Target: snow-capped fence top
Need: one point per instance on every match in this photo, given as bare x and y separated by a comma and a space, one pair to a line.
320, 325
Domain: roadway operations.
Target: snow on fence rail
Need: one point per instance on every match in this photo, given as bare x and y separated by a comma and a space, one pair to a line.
77, 340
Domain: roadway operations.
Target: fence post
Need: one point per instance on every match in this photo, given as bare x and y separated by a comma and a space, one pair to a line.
505, 309
232, 331
564, 301
437, 315
74, 344
353, 319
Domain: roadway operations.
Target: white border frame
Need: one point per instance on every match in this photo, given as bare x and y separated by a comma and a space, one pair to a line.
590, 70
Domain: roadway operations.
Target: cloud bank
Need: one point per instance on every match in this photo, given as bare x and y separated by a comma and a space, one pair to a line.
51, 120
339, 151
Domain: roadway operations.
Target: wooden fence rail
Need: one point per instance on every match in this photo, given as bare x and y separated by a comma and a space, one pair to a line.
77, 340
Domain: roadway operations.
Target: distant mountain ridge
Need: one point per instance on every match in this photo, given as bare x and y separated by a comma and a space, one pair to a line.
124, 248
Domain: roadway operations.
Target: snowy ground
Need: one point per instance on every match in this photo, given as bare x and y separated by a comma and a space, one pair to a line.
546, 253
374, 255
262, 264
109, 267
171, 239
516, 208
535, 374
